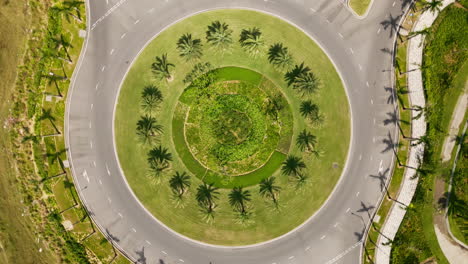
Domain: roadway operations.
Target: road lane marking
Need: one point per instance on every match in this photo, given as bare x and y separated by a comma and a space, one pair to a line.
94, 163
123, 35
164, 252
137, 21
91, 143
321, 238
100, 182
357, 194
97, 85
92, 105
373, 139
291, 257
371, 158
103, 68
107, 169
181, 260
360, 157
313, 10
374, 120
378, 31
147, 242
381, 166
394, 3
90, 124
109, 199
336, 224
341, 35
151, 10
121, 216
360, 67
352, 51
371, 101
307, 248
367, 84
112, 51
347, 210
134, 230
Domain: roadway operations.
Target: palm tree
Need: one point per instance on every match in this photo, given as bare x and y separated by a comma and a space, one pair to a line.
237, 199
291, 76
269, 189
433, 5
306, 141
68, 8
251, 40
179, 183
279, 56
151, 97
219, 35
292, 166
311, 111
161, 67
148, 129
190, 49
274, 105
206, 195
306, 82
158, 159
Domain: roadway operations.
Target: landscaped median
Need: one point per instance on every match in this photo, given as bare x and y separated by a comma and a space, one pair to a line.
248, 131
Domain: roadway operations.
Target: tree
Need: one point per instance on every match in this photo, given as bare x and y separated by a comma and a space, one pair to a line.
161, 67
433, 6
151, 97
190, 49
269, 189
219, 35
292, 166
148, 129
291, 76
273, 105
306, 141
158, 159
206, 195
179, 183
311, 111
238, 197
306, 82
251, 40
69, 8
279, 56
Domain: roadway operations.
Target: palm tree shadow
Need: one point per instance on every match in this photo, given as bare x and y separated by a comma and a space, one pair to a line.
393, 119
111, 237
391, 96
141, 256
392, 24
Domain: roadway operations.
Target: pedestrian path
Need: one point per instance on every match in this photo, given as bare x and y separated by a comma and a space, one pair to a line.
418, 129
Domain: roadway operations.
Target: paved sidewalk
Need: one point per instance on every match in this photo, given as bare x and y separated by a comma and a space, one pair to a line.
418, 129
457, 118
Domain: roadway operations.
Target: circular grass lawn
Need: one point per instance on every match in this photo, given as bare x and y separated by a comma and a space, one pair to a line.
254, 144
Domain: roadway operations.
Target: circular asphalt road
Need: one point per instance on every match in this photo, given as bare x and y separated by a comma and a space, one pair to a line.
361, 50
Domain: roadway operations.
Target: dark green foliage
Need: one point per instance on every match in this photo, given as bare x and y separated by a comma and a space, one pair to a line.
306, 141
219, 35
279, 56
151, 97
162, 67
179, 183
148, 129
251, 40
293, 166
189, 48
302, 79
269, 189
159, 159
198, 70
238, 198
206, 196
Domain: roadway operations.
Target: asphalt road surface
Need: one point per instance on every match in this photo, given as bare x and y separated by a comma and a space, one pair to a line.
360, 49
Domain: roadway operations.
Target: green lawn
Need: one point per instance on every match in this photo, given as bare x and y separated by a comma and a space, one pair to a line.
265, 221
360, 6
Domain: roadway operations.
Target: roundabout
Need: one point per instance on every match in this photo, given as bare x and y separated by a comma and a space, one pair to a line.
118, 202
234, 127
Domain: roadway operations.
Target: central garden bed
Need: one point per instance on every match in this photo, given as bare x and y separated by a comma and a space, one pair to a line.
232, 127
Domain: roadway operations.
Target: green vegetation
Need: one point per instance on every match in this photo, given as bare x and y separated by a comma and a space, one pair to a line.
445, 52
42, 220
256, 210
360, 6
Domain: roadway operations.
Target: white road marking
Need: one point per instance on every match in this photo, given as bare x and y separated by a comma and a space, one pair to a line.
107, 168
360, 67
134, 230
360, 157
357, 194
97, 85
164, 252
90, 124
313, 10
94, 163
109, 200
123, 35
371, 158
347, 210
85, 175
374, 120
336, 224
328, 21
151, 10
321, 238
91, 143
394, 3
92, 105
307, 248
137, 21
371, 101
341, 35
291, 257
381, 166
378, 30
112, 51
147, 242
121, 216
373, 139
103, 68
352, 51
335, 259
181, 260
100, 182
367, 84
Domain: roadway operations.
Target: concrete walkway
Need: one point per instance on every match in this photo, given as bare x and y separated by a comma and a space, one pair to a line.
418, 129
454, 253
457, 118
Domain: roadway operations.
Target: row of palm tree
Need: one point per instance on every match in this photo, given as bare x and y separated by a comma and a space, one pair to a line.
311, 111
302, 79
147, 128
